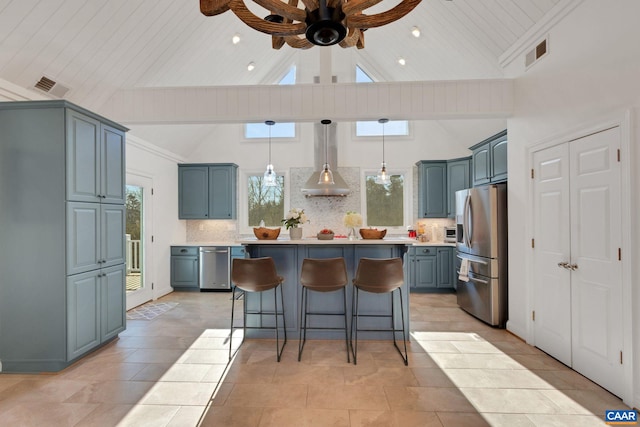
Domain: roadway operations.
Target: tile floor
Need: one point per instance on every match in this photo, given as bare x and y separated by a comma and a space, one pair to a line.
172, 371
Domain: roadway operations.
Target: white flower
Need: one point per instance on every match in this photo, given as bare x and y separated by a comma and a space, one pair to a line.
352, 219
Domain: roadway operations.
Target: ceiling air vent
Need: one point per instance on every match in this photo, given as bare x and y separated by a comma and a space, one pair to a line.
51, 87
536, 53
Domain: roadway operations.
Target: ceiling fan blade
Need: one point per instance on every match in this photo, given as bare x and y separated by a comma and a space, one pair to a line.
383, 18
277, 42
213, 7
351, 39
240, 9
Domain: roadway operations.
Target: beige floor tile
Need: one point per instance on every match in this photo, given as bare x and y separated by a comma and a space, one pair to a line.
251, 373
538, 362
105, 415
432, 377
178, 372
204, 356
347, 397
496, 378
42, 389
29, 414
462, 419
370, 375
229, 416
123, 392
180, 394
155, 355
149, 416
477, 361
562, 420
277, 417
510, 420
187, 416
268, 395
471, 347
361, 418
583, 401
96, 371
301, 373
514, 401
214, 374
429, 399
438, 346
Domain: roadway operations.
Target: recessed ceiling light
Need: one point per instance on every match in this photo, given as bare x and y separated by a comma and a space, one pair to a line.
235, 39
251, 66
416, 32
401, 61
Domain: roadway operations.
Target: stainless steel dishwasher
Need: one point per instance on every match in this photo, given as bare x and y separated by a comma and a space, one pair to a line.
214, 268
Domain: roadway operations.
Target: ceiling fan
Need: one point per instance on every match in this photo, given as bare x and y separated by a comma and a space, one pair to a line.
322, 22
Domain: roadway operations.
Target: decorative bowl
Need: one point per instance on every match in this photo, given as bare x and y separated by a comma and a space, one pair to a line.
325, 236
263, 233
372, 233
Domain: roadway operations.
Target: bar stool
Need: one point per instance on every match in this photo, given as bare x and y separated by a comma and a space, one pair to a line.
378, 276
322, 275
257, 275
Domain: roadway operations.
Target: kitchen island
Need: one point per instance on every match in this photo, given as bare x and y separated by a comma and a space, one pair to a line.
288, 256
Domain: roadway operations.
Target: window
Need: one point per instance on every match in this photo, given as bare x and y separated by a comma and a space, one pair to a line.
373, 128
264, 203
385, 205
279, 130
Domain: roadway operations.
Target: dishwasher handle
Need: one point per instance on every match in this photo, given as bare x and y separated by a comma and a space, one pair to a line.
217, 251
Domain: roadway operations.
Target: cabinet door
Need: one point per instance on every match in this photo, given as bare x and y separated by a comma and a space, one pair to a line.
184, 271
112, 235
83, 313
83, 237
83, 158
193, 192
481, 165
499, 160
432, 196
112, 302
425, 272
445, 268
222, 191
458, 178
112, 165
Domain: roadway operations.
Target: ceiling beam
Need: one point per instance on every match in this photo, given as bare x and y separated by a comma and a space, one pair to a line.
464, 99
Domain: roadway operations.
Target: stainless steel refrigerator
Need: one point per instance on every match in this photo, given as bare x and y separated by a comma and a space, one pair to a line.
481, 246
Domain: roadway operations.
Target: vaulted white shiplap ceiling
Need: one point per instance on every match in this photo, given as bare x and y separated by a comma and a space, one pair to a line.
96, 47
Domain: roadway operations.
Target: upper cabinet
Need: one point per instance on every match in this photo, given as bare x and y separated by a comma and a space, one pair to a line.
458, 178
489, 160
207, 191
432, 189
95, 154
438, 181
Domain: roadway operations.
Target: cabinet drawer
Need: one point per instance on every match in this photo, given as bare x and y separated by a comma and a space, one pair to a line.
238, 251
184, 250
426, 251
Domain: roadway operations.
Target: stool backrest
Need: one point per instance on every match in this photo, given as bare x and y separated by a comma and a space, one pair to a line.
324, 275
255, 274
379, 275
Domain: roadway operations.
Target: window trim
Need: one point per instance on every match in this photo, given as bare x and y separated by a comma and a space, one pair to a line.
243, 200
407, 198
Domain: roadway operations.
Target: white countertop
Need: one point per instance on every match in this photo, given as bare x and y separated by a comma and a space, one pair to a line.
314, 241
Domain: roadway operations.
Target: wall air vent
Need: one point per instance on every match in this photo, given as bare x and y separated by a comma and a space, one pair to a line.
536, 53
51, 87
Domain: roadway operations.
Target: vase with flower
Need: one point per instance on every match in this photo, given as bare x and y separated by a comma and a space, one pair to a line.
351, 221
295, 218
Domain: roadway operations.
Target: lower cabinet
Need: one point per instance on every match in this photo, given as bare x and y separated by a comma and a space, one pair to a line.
431, 267
95, 308
184, 267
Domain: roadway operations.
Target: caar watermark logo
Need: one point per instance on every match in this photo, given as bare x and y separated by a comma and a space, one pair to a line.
621, 417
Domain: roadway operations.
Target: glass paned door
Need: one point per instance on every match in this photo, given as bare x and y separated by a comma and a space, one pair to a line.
138, 240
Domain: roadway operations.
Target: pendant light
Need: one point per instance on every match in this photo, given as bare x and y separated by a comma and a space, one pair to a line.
270, 177
383, 176
326, 176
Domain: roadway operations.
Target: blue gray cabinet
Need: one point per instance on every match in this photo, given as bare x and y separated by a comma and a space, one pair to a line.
489, 160
184, 267
430, 267
458, 178
432, 189
67, 214
207, 191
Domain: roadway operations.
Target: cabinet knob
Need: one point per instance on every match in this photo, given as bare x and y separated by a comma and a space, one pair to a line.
183, 250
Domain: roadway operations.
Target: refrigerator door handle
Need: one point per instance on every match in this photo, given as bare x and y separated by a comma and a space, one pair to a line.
470, 222
475, 279
473, 260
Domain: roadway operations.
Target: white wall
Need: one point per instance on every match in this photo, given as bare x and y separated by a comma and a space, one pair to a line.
591, 76
161, 166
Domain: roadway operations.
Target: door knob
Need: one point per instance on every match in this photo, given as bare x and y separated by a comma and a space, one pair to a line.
563, 264
572, 267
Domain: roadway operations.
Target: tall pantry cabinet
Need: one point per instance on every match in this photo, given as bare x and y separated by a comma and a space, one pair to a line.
62, 225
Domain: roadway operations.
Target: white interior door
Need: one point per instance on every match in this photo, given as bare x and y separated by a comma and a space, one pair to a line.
552, 282
139, 240
577, 273
596, 237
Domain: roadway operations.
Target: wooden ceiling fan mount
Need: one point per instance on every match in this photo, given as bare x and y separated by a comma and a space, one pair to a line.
320, 23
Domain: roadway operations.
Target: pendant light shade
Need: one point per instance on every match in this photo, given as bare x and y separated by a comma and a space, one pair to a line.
383, 176
326, 176
270, 177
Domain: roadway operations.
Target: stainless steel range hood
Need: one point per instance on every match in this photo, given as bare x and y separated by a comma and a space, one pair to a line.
311, 188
